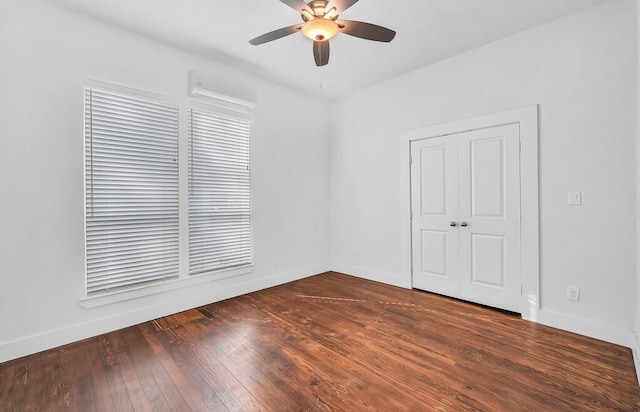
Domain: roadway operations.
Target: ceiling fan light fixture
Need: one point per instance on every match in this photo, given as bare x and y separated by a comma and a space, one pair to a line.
320, 24
319, 29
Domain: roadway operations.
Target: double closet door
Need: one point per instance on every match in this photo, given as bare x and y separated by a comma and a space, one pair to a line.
465, 225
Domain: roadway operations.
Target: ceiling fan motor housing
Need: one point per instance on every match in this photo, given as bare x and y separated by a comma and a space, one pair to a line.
319, 9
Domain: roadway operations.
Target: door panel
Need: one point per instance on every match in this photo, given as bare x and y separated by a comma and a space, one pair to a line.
487, 260
433, 181
433, 249
487, 169
434, 203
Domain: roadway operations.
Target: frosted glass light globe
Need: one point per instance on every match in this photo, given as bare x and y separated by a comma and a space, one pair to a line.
319, 29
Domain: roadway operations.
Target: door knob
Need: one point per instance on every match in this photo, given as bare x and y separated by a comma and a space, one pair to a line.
453, 224
464, 224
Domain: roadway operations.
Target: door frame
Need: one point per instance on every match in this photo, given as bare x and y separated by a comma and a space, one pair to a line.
527, 119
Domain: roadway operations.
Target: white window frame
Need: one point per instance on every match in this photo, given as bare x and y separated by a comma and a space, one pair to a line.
131, 190
240, 117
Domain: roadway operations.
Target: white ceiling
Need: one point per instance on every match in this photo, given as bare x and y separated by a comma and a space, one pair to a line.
427, 31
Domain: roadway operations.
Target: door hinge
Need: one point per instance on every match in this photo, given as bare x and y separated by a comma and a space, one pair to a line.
411, 215
410, 160
520, 146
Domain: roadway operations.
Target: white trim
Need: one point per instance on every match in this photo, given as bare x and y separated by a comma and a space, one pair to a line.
200, 296
166, 286
634, 342
585, 327
527, 118
377, 276
635, 351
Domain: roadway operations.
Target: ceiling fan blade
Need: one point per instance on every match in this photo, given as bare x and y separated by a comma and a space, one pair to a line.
321, 52
340, 5
298, 5
275, 35
366, 31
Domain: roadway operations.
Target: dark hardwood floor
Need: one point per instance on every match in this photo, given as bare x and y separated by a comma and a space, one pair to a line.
328, 343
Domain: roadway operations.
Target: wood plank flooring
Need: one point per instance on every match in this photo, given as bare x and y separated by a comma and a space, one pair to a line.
328, 343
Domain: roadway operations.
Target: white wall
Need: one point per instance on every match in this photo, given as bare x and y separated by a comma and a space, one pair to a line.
45, 51
635, 342
581, 70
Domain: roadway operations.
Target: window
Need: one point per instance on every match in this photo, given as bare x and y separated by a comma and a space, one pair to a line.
131, 190
219, 190
133, 216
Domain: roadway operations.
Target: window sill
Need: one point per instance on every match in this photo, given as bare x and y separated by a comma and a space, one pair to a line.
166, 286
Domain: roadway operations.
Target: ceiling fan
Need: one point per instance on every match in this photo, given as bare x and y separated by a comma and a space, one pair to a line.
320, 23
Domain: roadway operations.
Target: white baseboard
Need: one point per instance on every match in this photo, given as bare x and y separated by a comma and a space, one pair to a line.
198, 296
635, 350
608, 333
393, 279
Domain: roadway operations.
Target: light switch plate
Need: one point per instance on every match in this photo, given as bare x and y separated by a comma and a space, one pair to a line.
575, 198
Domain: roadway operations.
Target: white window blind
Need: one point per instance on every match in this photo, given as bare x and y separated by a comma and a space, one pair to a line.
219, 191
131, 185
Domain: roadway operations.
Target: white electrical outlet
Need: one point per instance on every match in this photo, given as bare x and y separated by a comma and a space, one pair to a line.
573, 293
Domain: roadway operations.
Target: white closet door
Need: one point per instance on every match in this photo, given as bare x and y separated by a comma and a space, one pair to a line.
465, 202
434, 204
